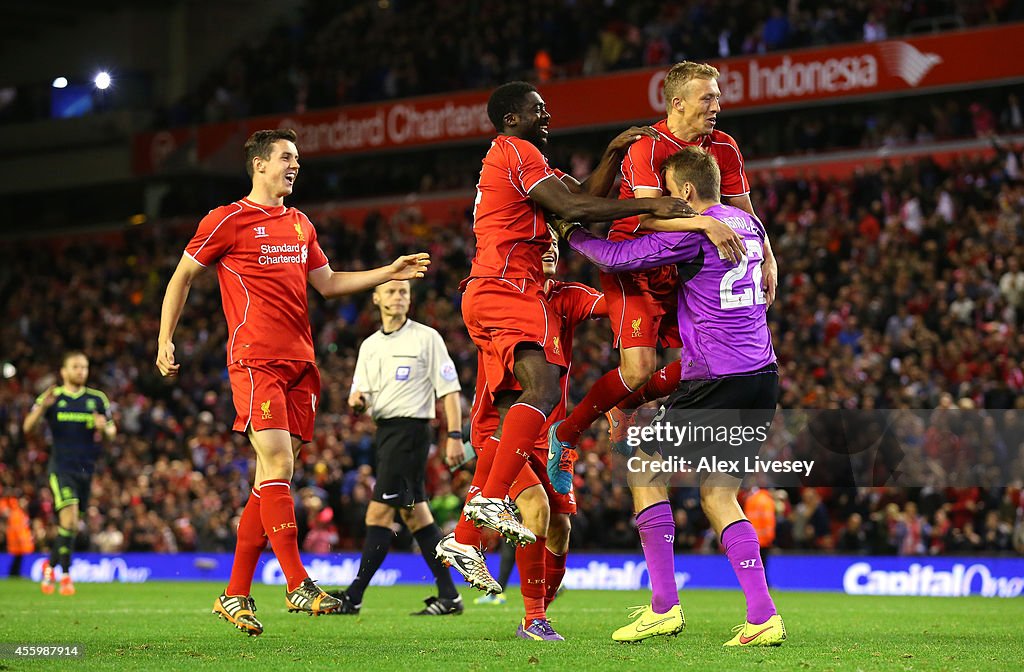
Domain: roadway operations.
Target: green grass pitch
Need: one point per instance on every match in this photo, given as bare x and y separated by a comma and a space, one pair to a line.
169, 626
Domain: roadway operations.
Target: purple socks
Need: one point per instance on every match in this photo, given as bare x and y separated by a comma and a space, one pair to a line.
741, 546
657, 530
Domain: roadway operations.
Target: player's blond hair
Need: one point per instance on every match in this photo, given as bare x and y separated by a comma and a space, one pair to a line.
699, 168
681, 74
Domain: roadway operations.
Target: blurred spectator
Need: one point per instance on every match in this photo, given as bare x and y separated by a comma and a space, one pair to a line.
853, 538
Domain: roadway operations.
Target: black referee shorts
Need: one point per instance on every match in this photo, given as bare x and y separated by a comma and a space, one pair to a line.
402, 445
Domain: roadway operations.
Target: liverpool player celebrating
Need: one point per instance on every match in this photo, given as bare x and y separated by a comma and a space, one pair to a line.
545, 512
641, 304
504, 308
728, 363
265, 253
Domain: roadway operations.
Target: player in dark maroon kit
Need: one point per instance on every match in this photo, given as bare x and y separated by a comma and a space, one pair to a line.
265, 254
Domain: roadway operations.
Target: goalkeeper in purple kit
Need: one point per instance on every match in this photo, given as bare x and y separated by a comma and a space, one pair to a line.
729, 377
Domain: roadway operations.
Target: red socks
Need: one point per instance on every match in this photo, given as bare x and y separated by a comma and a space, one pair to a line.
250, 544
663, 383
532, 577
603, 396
554, 571
465, 531
519, 434
277, 511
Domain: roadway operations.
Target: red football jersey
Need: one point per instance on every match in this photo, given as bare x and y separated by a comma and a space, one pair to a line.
263, 256
511, 233
641, 169
573, 302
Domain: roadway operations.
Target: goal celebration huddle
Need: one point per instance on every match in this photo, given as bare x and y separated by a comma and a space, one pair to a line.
687, 274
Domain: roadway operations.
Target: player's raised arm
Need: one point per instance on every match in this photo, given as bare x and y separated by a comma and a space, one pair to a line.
170, 312
43, 402
602, 178
332, 284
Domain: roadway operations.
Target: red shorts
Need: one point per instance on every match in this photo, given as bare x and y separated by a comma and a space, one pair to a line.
535, 472
275, 394
502, 314
642, 307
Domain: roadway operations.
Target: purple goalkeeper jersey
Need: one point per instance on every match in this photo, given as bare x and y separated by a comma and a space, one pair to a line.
722, 308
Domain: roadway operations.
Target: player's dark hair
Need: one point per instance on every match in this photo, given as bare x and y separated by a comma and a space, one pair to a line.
72, 353
261, 143
505, 99
699, 168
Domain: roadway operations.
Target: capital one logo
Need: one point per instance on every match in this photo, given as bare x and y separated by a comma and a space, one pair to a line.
907, 62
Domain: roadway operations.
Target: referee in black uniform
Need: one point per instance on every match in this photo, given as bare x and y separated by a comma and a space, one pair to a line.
79, 420
400, 373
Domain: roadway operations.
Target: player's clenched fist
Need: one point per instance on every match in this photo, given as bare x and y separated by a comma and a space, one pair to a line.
165, 359
410, 266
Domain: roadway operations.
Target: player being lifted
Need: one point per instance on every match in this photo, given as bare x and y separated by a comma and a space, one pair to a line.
641, 304
545, 512
266, 253
729, 376
504, 307
79, 420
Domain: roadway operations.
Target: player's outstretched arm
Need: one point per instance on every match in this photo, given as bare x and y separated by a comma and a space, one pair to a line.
728, 242
652, 251
332, 284
170, 312
721, 235
554, 196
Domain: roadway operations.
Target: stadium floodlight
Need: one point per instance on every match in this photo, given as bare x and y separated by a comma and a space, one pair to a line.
60, 82
102, 80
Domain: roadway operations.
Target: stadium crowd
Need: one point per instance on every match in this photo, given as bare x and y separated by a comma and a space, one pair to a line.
901, 287
318, 60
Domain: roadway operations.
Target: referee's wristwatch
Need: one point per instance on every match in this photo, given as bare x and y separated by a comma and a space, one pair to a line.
455, 435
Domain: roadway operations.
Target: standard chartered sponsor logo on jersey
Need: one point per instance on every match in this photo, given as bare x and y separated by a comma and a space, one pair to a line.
106, 570
599, 575
330, 573
283, 254
960, 580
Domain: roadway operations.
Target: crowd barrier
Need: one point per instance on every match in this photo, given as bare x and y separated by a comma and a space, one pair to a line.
855, 575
